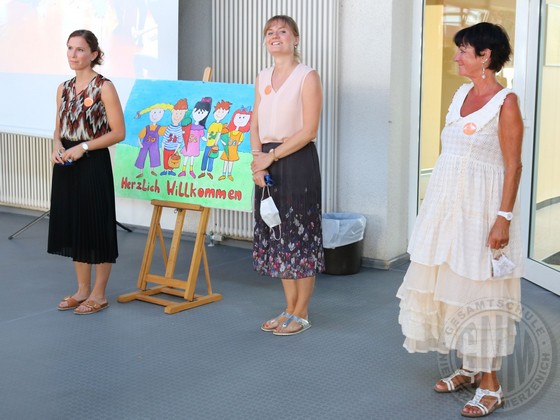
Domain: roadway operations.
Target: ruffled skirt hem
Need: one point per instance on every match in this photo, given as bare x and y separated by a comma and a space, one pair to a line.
442, 311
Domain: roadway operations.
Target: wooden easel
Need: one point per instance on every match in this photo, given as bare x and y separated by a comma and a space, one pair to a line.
167, 283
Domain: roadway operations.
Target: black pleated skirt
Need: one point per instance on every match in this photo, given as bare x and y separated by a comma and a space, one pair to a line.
295, 248
82, 221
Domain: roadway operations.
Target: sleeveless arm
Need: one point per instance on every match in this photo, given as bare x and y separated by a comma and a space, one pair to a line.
115, 118
57, 144
510, 134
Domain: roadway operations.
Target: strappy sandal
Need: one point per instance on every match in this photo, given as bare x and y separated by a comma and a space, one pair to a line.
303, 323
71, 303
451, 387
484, 410
274, 323
92, 307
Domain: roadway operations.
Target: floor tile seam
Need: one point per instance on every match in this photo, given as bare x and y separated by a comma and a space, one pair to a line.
32, 315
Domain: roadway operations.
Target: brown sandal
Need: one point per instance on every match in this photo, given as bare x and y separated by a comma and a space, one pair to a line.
92, 306
71, 303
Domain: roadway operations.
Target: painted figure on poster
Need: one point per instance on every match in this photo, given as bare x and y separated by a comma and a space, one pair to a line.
239, 124
148, 138
173, 139
191, 148
215, 131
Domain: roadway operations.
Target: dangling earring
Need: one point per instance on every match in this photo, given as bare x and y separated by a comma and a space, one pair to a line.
483, 70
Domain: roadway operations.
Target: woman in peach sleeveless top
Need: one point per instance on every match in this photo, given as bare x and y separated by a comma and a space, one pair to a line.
288, 100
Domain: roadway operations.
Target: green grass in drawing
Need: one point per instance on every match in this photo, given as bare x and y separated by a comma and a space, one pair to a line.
216, 192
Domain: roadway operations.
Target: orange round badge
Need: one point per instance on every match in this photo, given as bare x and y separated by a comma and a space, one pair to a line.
88, 102
267, 89
469, 128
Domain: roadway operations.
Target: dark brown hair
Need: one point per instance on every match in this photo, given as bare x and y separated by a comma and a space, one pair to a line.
93, 43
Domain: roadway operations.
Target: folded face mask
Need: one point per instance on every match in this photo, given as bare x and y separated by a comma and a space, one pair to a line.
269, 212
501, 266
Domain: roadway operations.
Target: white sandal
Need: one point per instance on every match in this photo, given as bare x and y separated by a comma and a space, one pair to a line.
451, 387
484, 411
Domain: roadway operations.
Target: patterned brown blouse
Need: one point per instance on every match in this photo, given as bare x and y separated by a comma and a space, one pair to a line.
82, 115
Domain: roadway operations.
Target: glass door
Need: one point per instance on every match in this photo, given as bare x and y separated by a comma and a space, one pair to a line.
543, 262
442, 19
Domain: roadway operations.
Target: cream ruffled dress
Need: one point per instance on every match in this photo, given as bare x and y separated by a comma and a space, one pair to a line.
449, 298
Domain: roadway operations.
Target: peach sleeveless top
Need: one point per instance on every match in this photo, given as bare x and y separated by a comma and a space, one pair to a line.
281, 112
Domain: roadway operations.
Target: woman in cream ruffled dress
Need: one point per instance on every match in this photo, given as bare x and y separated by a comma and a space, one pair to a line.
450, 297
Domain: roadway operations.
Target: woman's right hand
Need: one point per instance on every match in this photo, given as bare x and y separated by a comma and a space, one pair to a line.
56, 156
258, 178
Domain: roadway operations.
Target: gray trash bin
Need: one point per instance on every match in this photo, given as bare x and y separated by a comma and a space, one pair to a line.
343, 242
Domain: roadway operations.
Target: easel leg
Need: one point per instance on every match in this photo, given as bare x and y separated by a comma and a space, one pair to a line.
175, 242
149, 250
197, 254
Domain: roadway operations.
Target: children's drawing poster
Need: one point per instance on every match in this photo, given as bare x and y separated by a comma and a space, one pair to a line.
187, 142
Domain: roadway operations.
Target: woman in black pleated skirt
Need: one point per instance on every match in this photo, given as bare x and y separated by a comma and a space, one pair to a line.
82, 222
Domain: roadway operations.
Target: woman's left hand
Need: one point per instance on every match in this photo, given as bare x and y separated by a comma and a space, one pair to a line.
261, 161
499, 234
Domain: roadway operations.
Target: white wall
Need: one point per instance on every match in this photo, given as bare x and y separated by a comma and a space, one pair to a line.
374, 121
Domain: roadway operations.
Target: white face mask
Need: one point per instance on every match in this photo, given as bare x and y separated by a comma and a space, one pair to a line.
501, 265
269, 211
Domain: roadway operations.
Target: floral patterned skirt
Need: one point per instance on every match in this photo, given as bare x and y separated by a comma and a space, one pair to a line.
294, 249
